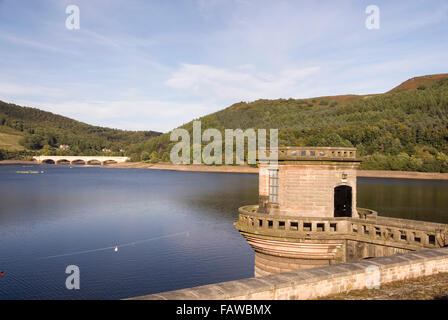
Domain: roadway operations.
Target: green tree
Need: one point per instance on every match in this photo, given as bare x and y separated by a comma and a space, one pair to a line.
32, 142
47, 150
144, 156
154, 158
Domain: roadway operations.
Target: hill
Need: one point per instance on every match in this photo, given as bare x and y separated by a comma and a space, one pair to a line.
419, 83
403, 129
26, 131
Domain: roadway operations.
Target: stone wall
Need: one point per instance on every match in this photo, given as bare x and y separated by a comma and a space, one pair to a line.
357, 250
321, 281
307, 190
266, 264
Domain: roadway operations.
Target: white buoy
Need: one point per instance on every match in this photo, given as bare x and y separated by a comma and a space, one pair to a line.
116, 249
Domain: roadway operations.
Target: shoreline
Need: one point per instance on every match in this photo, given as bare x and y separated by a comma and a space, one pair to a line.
251, 170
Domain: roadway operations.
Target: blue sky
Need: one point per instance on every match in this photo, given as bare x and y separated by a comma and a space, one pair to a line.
154, 65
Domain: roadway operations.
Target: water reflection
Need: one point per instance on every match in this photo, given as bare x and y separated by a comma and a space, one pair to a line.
67, 214
411, 199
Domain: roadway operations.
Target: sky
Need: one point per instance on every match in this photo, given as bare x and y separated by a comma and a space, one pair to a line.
155, 65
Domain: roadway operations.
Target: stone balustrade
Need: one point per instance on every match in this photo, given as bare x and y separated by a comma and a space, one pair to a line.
313, 153
407, 234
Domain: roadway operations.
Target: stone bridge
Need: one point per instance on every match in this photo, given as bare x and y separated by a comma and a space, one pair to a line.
85, 160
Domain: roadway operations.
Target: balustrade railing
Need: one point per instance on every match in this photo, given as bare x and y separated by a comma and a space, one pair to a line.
368, 227
309, 153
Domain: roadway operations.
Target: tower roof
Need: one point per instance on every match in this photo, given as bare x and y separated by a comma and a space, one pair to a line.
307, 154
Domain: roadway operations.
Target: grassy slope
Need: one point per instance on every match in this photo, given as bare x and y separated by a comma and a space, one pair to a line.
9, 139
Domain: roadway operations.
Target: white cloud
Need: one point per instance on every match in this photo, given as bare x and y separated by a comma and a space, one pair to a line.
222, 86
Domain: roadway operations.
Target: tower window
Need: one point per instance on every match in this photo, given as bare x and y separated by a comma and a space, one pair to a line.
273, 185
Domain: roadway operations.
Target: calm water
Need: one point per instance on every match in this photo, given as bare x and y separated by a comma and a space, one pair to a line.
173, 229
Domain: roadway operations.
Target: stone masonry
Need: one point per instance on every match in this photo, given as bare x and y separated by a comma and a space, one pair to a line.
320, 281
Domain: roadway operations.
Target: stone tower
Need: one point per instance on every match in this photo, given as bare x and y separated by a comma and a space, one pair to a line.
307, 215
309, 182
303, 201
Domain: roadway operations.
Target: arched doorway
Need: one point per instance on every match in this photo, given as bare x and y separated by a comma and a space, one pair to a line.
343, 201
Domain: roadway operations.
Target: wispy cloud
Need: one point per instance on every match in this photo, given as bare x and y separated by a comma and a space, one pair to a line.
155, 65
12, 89
33, 44
226, 85
129, 114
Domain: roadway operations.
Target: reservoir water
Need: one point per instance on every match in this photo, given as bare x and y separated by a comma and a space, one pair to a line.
172, 229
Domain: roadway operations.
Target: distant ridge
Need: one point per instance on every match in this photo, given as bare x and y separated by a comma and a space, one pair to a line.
403, 129
416, 82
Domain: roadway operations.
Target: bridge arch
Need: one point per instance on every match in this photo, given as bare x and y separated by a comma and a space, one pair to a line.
63, 161
109, 162
78, 162
82, 160
94, 162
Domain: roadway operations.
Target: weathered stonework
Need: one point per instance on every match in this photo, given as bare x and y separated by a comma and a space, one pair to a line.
304, 248
311, 242
307, 190
302, 228
307, 180
320, 281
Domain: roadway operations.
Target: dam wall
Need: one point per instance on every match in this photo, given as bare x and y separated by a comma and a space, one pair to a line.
320, 281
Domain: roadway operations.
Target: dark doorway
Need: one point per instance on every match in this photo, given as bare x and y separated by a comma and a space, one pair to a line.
343, 201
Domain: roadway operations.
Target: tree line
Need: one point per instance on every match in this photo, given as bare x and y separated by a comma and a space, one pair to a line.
44, 132
406, 130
